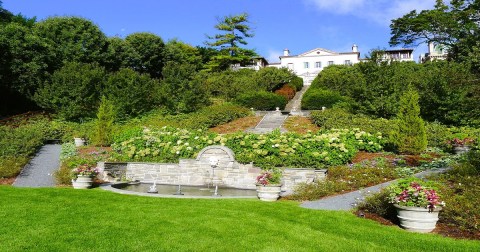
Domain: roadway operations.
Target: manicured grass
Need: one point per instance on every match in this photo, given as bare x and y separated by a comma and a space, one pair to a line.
63, 219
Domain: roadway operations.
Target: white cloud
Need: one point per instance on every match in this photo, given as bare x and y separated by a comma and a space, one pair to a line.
379, 11
338, 6
272, 56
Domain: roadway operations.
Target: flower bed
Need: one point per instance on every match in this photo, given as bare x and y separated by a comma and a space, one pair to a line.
312, 150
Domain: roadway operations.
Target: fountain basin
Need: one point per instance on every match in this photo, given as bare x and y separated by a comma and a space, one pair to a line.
168, 191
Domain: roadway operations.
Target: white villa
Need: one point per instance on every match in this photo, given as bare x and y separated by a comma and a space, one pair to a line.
308, 64
435, 52
402, 54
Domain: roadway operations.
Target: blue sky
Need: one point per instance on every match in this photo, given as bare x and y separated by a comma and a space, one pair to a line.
299, 25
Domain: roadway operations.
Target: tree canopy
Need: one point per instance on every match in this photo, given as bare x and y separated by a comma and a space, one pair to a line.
455, 25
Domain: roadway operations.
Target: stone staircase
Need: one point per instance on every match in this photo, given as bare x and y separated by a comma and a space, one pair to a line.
294, 105
270, 122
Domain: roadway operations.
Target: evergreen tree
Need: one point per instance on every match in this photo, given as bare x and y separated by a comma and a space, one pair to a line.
235, 30
411, 137
104, 125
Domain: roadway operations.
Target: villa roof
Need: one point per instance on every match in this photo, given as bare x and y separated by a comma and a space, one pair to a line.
319, 50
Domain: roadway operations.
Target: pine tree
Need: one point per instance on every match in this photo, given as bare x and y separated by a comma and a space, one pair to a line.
411, 137
104, 125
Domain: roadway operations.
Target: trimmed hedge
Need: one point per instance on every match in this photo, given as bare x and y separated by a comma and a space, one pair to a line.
261, 100
318, 98
297, 83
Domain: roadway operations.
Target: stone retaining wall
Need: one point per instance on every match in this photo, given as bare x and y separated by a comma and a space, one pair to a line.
214, 163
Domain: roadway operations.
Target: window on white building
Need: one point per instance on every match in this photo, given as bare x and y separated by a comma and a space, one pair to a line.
290, 66
330, 63
318, 64
348, 62
305, 65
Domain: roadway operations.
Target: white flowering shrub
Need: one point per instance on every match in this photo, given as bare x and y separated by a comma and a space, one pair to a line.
314, 150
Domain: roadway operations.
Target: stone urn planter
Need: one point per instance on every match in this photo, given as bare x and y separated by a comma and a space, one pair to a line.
461, 149
79, 141
417, 219
82, 182
268, 192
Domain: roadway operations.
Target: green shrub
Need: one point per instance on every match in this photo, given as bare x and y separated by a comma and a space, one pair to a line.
340, 119
182, 91
73, 91
261, 100
297, 83
271, 78
131, 93
63, 176
204, 118
379, 204
104, 123
315, 99
68, 150
11, 166
410, 136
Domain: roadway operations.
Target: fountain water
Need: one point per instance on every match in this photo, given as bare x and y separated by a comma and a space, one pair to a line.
215, 179
153, 188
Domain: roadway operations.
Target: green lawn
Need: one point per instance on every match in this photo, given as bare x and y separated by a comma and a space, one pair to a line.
65, 219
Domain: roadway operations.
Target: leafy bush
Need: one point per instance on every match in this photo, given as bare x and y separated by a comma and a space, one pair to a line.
68, 150
182, 91
340, 119
318, 98
230, 84
261, 100
104, 124
410, 136
297, 83
73, 91
131, 93
286, 91
378, 203
271, 78
11, 166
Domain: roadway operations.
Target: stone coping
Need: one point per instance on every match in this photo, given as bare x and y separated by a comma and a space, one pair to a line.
109, 187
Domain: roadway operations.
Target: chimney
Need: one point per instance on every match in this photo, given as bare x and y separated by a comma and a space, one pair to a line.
286, 52
354, 48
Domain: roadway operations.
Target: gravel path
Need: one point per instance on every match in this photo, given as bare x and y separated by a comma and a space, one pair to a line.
39, 171
349, 200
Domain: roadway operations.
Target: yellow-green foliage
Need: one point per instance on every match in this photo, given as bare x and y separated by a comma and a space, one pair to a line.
104, 125
411, 137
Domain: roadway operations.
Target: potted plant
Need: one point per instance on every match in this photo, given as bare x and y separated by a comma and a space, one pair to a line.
82, 176
461, 146
417, 204
269, 186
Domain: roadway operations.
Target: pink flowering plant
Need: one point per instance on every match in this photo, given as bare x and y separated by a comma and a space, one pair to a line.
461, 142
84, 170
414, 192
269, 178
